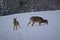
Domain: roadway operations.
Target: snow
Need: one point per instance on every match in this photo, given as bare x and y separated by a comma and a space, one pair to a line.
43, 32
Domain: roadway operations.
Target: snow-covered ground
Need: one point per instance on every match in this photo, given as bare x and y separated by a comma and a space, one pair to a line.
43, 32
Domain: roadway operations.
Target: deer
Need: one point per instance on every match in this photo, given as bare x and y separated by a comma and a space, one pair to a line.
37, 19
16, 24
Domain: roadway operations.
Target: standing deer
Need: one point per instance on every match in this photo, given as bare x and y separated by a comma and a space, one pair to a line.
16, 24
37, 19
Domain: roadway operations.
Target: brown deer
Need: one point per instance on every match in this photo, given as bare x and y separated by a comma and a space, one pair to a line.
37, 19
16, 24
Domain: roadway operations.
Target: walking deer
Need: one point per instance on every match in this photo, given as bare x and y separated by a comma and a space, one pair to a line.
37, 19
16, 24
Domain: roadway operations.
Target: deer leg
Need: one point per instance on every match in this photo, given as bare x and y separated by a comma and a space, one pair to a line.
19, 26
28, 23
33, 24
14, 28
39, 23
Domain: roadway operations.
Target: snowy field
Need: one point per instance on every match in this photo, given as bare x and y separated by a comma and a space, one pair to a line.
43, 32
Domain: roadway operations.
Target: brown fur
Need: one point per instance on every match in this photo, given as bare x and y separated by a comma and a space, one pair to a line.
16, 24
37, 19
